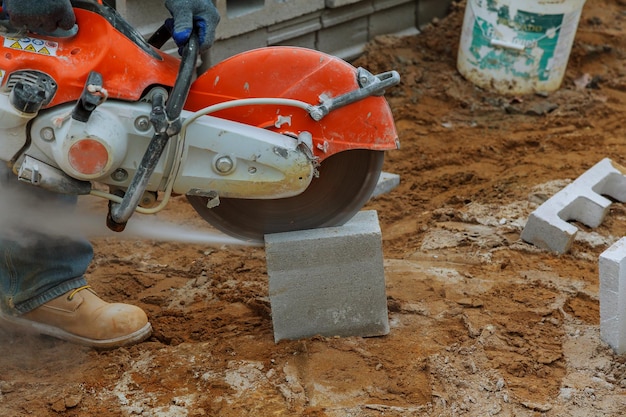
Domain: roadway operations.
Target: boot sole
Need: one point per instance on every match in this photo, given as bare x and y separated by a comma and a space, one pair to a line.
40, 328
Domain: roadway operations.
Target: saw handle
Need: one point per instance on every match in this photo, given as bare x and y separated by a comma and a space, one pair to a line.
369, 85
166, 124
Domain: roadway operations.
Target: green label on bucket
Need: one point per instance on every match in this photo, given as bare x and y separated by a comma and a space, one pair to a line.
523, 45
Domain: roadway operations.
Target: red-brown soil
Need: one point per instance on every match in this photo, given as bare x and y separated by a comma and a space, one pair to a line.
481, 323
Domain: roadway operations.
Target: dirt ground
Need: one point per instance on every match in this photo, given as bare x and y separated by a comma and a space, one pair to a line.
481, 323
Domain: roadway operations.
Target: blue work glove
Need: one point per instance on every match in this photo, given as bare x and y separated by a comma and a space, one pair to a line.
187, 14
40, 15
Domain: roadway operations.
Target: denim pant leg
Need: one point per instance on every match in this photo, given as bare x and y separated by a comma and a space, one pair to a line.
35, 267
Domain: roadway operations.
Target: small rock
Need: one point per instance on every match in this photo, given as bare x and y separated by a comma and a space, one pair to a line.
567, 393
59, 405
542, 408
73, 400
470, 302
6, 387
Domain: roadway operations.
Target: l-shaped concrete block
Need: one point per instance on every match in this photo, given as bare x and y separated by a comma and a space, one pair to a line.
582, 200
328, 281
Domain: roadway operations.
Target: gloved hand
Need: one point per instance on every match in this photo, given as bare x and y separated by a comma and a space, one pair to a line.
187, 14
40, 15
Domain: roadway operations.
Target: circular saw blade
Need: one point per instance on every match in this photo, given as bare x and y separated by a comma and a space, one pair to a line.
345, 183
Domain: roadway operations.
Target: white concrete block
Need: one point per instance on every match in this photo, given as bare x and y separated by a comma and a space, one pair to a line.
612, 267
582, 200
328, 281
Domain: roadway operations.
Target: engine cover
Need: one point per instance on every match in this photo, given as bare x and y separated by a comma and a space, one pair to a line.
112, 139
93, 149
216, 156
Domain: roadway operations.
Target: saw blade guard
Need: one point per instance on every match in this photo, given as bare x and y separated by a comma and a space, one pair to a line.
297, 74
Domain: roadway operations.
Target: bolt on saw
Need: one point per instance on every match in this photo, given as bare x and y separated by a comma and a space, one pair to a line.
270, 140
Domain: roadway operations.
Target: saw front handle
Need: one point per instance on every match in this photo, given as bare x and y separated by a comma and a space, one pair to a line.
166, 124
369, 85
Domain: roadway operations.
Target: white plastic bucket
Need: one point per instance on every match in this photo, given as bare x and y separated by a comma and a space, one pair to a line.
518, 47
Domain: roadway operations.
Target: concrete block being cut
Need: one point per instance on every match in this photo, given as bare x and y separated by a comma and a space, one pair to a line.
582, 200
612, 266
328, 281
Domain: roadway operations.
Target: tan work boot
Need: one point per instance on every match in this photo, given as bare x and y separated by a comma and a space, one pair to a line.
80, 316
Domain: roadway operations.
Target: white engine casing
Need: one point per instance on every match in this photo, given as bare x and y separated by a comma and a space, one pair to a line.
218, 156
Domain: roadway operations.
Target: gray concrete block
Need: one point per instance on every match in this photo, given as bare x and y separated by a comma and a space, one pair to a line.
348, 14
393, 19
238, 19
328, 281
145, 15
386, 183
429, 9
338, 27
236, 8
281, 33
612, 268
347, 41
387, 4
339, 3
305, 41
232, 46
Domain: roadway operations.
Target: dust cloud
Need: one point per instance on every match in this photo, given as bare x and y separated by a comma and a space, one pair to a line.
27, 213
152, 227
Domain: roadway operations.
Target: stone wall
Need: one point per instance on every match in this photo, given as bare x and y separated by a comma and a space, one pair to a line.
338, 27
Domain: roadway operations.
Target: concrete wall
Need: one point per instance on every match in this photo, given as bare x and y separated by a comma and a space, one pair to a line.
338, 27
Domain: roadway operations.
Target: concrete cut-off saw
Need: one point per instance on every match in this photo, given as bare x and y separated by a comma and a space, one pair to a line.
270, 140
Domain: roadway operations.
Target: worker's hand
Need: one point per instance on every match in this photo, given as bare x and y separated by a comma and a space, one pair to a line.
40, 15
187, 14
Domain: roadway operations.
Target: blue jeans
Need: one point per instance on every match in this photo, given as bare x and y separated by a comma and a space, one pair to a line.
35, 267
